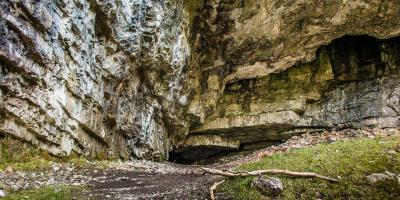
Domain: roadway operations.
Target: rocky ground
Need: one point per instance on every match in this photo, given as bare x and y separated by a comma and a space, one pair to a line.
149, 180
120, 180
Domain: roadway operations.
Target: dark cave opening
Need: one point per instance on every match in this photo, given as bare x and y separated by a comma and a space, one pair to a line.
205, 155
362, 57
198, 154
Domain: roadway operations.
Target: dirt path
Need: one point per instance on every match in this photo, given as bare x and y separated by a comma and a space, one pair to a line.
119, 184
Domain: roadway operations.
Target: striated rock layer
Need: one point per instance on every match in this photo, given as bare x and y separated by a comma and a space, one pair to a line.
141, 78
94, 76
353, 83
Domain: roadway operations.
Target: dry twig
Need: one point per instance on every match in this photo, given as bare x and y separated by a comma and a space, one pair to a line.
213, 188
268, 171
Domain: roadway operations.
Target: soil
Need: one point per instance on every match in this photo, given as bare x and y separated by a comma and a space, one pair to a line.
120, 184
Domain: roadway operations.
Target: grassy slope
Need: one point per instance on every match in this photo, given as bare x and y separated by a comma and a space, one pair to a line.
350, 161
46, 193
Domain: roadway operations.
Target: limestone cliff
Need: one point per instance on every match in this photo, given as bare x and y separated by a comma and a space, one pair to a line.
141, 78
94, 76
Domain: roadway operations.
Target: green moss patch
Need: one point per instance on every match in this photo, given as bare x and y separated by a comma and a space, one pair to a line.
48, 193
349, 161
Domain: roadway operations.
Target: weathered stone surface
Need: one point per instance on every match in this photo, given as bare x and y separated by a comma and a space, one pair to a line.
268, 186
93, 76
353, 83
132, 78
249, 39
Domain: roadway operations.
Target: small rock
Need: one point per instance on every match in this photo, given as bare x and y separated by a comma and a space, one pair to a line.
51, 181
15, 188
56, 168
268, 186
2, 193
9, 169
378, 177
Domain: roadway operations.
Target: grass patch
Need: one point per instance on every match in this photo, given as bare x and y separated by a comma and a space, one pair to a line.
48, 193
350, 161
24, 157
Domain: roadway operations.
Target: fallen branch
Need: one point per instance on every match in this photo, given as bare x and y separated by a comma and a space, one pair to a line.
268, 171
213, 188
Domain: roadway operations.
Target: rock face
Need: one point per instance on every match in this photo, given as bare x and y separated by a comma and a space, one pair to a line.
272, 69
93, 76
139, 78
353, 83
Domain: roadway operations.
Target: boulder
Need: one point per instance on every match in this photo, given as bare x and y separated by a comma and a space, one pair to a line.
268, 186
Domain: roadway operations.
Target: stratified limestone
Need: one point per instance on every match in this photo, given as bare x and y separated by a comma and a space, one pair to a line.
93, 76
353, 83
242, 40
133, 78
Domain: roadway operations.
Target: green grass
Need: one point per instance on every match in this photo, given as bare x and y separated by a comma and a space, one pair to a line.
349, 161
33, 164
37, 163
24, 157
47, 193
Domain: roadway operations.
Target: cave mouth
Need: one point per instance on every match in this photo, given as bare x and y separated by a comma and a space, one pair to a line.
201, 154
197, 155
357, 63
211, 154
356, 58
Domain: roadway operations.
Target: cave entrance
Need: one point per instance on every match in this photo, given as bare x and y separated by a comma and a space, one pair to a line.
210, 154
198, 155
355, 63
356, 58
